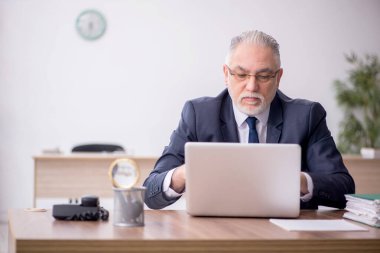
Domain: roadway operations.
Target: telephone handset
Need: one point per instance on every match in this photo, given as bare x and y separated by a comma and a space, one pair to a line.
88, 210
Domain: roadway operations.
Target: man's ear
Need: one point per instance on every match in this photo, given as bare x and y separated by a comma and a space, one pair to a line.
225, 72
279, 75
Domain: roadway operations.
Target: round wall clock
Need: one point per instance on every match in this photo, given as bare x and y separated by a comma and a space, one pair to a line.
91, 24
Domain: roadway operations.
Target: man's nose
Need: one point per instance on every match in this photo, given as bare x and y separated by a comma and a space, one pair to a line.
251, 84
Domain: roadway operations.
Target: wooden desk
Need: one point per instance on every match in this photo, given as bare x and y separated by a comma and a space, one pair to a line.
176, 231
75, 175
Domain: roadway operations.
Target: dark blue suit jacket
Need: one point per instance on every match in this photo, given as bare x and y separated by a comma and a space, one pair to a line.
290, 121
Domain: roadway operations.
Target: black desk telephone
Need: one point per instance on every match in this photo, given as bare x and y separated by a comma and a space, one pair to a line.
88, 210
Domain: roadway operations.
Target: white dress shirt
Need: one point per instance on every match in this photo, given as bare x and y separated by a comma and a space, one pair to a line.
243, 130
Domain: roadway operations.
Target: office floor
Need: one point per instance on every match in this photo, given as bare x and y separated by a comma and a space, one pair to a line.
3, 237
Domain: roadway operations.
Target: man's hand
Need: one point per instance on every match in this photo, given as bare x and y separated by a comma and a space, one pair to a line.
304, 189
178, 179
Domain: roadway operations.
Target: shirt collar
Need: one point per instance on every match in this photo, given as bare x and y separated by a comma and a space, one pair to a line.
241, 117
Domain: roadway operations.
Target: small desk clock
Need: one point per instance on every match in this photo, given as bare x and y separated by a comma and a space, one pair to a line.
91, 24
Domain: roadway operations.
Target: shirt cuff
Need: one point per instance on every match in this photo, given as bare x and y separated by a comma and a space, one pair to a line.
169, 192
310, 188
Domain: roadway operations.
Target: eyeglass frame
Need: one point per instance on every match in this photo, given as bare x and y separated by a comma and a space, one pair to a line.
257, 77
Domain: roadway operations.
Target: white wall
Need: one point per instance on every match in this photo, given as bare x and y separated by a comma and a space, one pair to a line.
57, 90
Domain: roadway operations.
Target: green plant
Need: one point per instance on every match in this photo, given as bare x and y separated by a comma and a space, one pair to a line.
360, 99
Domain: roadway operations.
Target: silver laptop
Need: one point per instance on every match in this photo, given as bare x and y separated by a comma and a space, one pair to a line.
243, 180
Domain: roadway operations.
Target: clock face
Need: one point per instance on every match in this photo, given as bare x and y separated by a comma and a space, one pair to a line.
91, 24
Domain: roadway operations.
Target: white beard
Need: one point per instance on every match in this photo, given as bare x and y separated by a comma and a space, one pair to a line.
252, 111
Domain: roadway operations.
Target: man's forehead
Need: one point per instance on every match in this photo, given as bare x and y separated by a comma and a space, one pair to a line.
252, 56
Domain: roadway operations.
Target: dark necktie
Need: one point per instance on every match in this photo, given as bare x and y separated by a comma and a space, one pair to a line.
252, 138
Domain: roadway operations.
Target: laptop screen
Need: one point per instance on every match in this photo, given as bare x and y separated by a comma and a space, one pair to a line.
243, 180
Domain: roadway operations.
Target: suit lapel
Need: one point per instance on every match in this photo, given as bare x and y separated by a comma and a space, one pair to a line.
228, 126
275, 120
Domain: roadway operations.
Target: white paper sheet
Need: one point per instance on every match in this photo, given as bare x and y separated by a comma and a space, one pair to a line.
317, 225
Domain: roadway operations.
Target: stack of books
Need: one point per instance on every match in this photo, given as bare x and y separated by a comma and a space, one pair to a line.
364, 208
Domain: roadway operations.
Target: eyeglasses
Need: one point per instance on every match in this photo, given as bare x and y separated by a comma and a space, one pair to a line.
261, 78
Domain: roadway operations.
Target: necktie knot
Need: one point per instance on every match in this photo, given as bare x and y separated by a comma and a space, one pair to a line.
251, 121
253, 137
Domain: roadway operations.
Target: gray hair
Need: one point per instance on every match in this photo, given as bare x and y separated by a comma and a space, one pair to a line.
257, 38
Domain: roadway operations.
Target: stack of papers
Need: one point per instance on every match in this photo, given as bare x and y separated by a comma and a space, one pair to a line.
364, 208
316, 225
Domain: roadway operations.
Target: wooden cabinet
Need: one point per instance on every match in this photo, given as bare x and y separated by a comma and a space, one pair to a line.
62, 177
366, 173
72, 176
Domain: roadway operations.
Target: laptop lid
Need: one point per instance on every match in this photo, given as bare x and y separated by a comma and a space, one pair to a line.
243, 180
